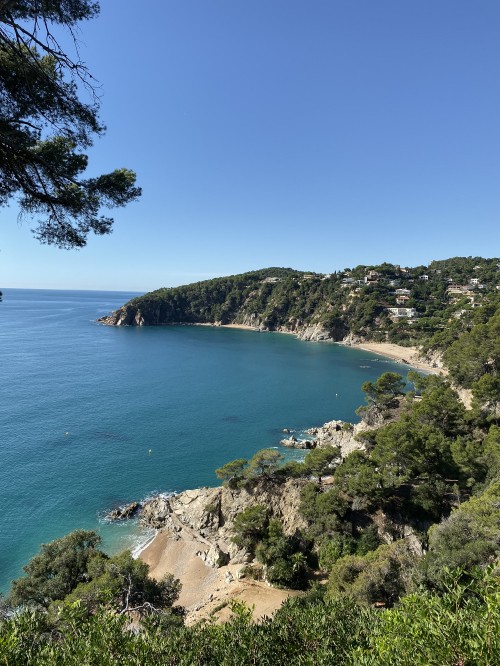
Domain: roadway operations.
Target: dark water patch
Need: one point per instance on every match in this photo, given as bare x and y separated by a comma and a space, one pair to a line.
232, 419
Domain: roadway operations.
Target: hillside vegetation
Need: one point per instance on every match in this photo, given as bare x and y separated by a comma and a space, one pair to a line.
405, 532
428, 305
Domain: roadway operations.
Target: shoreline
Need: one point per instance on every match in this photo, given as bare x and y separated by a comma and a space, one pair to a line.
408, 356
207, 591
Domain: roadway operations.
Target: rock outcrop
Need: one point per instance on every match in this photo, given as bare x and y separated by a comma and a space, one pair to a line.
316, 333
207, 514
124, 512
341, 434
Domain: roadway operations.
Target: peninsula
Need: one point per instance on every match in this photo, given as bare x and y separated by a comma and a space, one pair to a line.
424, 307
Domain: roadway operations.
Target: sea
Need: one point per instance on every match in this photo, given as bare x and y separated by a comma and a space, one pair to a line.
93, 417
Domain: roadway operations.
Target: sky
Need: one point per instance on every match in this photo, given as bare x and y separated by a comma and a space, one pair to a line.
316, 135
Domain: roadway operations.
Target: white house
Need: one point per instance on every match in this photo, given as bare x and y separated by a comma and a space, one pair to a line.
409, 313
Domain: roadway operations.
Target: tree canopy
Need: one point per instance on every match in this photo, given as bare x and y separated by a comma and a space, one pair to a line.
57, 569
45, 127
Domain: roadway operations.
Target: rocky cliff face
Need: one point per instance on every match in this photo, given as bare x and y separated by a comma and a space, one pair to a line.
207, 514
131, 315
127, 315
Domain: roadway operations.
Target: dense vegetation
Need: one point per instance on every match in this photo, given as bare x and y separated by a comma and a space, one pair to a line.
406, 534
446, 298
459, 627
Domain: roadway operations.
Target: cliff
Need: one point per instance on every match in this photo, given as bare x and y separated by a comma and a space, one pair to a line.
206, 515
359, 304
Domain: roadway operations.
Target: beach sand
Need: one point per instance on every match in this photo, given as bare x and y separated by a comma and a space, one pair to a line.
205, 588
405, 355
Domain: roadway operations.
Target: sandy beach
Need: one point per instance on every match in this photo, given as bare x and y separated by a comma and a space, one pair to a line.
204, 588
405, 355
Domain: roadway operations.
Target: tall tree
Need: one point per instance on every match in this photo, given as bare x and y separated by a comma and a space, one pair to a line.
45, 126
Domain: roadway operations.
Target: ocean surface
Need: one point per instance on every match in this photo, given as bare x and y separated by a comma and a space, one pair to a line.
92, 416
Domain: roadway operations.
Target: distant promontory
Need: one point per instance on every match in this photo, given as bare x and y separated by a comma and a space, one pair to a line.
429, 306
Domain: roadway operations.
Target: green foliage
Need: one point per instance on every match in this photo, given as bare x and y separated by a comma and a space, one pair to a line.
368, 540
44, 125
72, 570
323, 509
302, 632
264, 462
250, 526
461, 626
486, 400
469, 537
406, 449
320, 461
382, 394
491, 452
358, 476
339, 545
232, 470
380, 576
440, 407
475, 353
285, 564
122, 583
57, 569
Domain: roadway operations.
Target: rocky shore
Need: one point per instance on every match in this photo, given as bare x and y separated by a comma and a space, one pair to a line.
195, 530
194, 543
341, 434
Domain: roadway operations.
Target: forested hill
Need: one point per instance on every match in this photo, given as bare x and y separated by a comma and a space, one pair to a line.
430, 305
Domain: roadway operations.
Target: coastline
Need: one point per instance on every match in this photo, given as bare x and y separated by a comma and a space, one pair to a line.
409, 356
208, 591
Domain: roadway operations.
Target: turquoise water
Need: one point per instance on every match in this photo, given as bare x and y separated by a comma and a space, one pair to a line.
82, 405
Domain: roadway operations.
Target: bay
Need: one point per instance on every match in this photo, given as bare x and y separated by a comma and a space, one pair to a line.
93, 416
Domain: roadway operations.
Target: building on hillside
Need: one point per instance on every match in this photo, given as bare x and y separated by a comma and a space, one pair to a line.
398, 313
456, 288
371, 277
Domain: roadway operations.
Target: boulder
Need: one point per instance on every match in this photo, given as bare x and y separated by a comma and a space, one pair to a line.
214, 556
124, 512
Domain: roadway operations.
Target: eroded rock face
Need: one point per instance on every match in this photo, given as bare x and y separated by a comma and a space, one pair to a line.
127, 315
338, 433
391, 529
207, 514
316, 332
214, 556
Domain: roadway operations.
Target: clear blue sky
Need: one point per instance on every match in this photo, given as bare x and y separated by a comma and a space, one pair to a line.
316, 135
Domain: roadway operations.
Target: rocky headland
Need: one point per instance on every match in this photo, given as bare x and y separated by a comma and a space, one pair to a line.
195, 530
